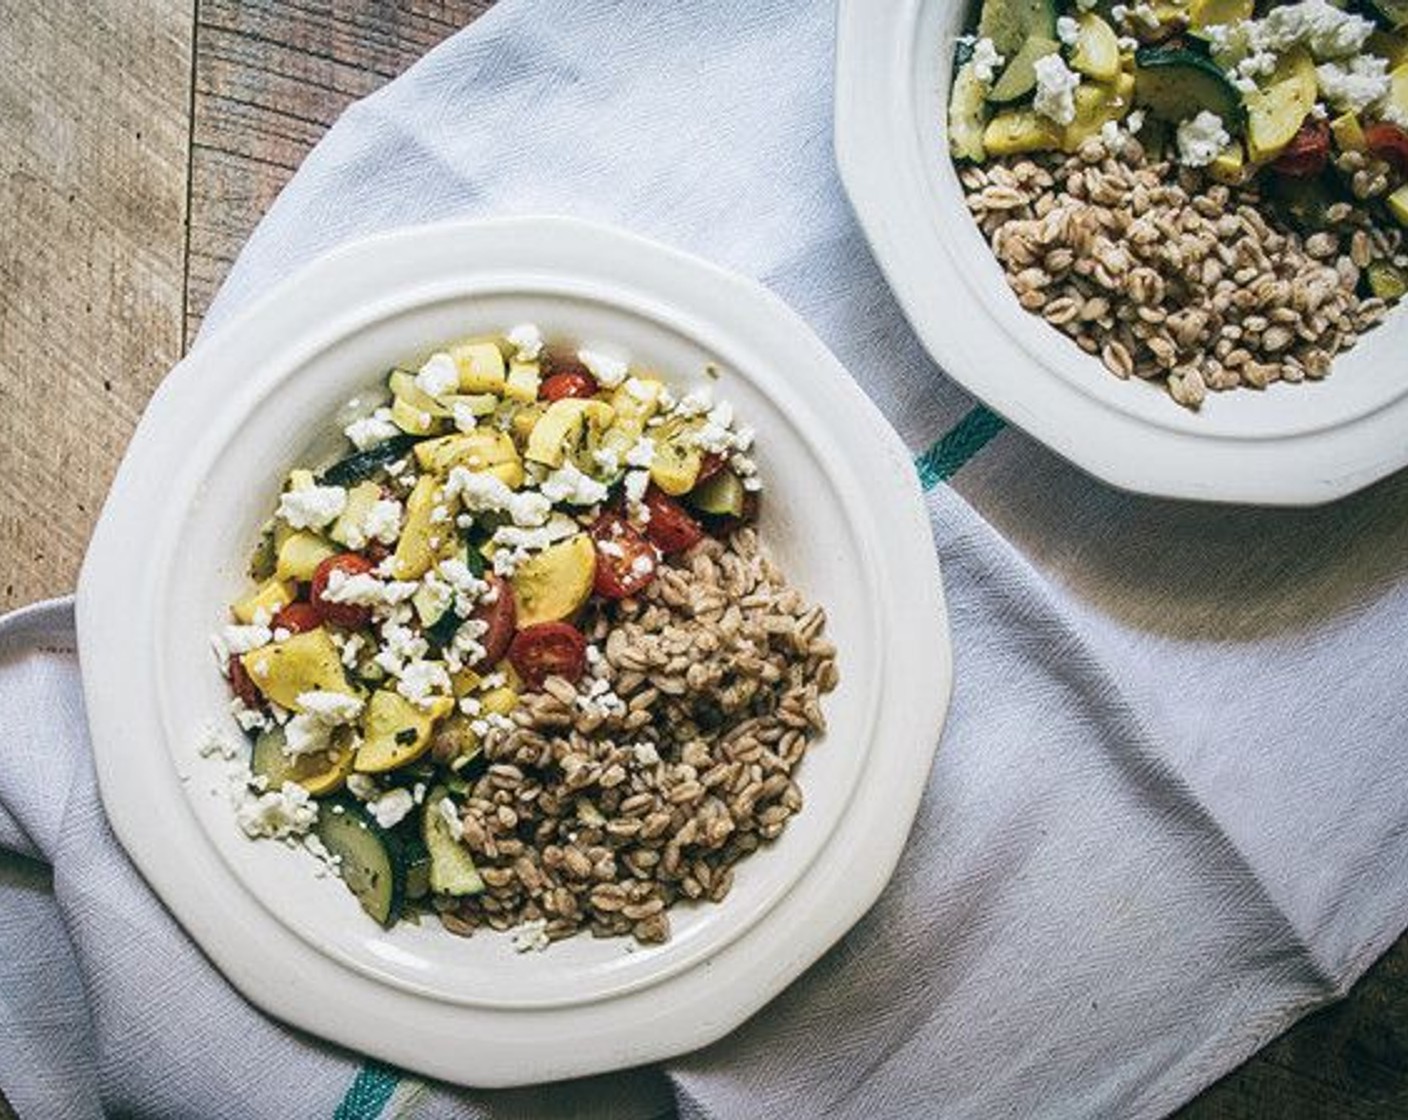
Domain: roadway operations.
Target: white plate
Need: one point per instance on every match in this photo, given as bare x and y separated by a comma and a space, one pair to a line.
1290, 445
843, 514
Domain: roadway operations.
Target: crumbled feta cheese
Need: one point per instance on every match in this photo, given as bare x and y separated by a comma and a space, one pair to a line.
366, 590
481, 492
418, 792
608, 459
439, 376
1201, 139
333, 708
249, 719
400, 646
1067, 30
390, 808
645, 754
233, 640
642, 391
329, 864
276, 813
362, 786
608, 371
1394, 115
1127, 43
371, 430
1324, 29
695, 403
215, 744
381, 521
570, 485
531, 937
420, 681
450, 814
464, 416
312, 507
986, 61
642, 453
1056, 85
1353, 86
636, 484
527, 341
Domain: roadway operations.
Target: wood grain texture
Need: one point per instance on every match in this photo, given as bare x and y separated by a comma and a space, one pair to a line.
93, 111
270, 77
104, 114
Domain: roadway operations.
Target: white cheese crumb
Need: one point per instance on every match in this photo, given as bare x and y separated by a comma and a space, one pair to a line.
986, 61
570, 485
1201, 139
527, 341
371, 430
1353, 86
481, 492
313, 507
420, 681
608, 371
215, 744
451, 816
642, 454
390, 808
333, 708
362, 786
1056, 85
249, 719
531, 937
232, 641
1067, 30
276, 813
438, 377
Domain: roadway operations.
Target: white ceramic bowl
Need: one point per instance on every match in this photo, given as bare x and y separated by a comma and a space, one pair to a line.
1290, 445
843, 514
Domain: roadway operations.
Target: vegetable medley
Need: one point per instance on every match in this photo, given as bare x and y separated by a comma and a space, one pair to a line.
407, 595
1295, 111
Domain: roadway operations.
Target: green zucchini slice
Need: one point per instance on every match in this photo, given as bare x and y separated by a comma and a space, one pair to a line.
966, 113
364, 464
452, 869
1177, 84
374, 861
1010, 23
1019, 78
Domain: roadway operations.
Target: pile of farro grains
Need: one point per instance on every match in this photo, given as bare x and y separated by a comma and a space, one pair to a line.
519, 659
1211, 194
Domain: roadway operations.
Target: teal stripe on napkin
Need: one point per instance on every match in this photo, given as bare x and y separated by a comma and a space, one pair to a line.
947, 454
368, 1093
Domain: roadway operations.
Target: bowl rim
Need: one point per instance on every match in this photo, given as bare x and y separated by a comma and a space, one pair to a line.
889, 140
119, 610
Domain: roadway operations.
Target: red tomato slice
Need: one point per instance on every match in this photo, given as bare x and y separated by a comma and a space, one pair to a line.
242, 686
1307, 153
625, 560
349, 615
297, 618
571, 383
549, 649
670, 527
710, 465
1389, 143
502, 617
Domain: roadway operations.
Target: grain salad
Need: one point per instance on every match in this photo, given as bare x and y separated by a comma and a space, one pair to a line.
1209, 195
518, 660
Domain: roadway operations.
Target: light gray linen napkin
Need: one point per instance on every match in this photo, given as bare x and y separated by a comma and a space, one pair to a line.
1167, 816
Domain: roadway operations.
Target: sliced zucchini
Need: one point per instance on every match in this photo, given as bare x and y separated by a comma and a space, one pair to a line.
1019, 78
452, 869
1392, 14
722, 494
264, 556
320, 774
1214, 13
1304, 202
1021, 130
1386, 281
1097, 50
1398, 205
417, 869
1010, 23
1278, 108
1176, 84
966, 114
404, 388
364, 464
1348, 133
374, 864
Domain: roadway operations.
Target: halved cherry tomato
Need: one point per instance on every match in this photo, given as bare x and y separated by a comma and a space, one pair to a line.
349, 615
625, 560
1307, 153
242, 686
549, 649
297, 618
710, 465
1388, 142
502, 618
568, 383
670, 527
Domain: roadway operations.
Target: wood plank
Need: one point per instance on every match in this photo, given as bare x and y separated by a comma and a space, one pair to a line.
271, 76
94, 102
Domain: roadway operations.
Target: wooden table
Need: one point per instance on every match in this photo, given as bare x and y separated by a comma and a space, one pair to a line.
143, 139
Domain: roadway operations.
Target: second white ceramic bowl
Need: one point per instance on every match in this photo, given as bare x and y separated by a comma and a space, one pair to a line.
1290, 445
